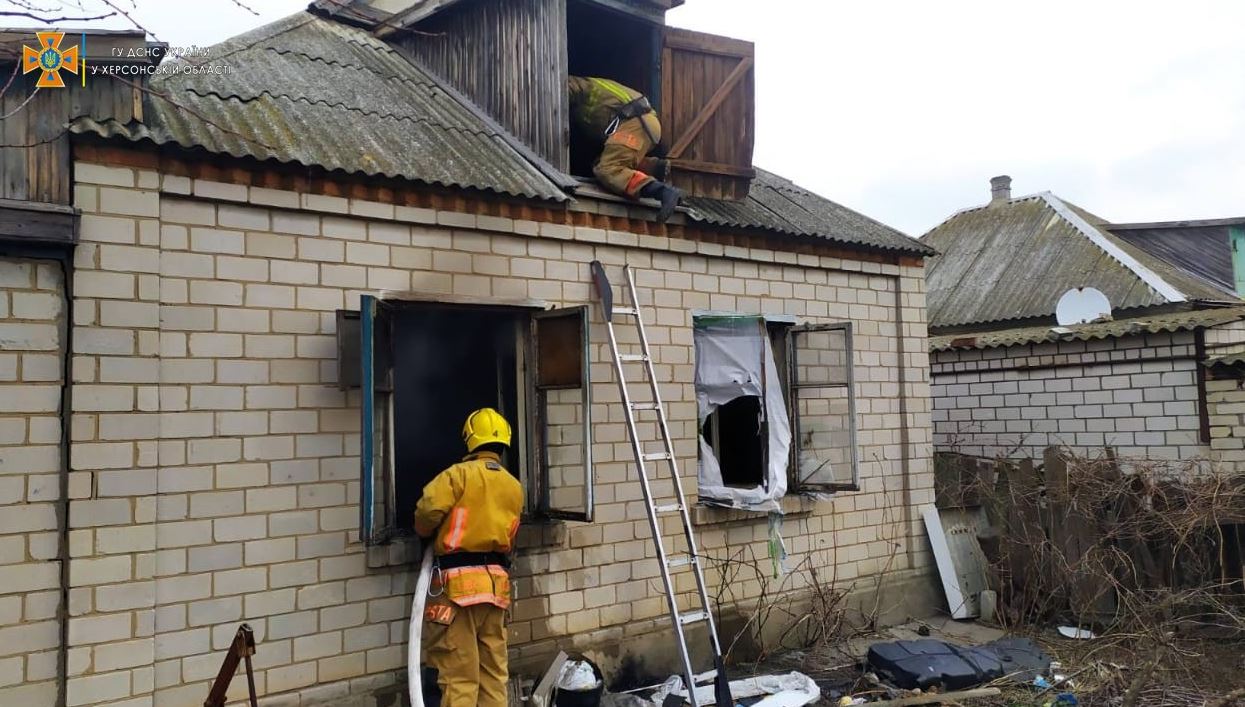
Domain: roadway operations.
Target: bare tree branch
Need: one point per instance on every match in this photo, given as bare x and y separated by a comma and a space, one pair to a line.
183, 107
128, 16
53, 20
5, 89
20, 106
242, 5
36, 143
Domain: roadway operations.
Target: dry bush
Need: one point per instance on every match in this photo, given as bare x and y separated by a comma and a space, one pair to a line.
1144, 552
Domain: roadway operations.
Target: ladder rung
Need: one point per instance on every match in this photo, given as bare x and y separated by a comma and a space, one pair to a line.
680, 560
631, 358
672, 508
692, 617
625, 310
645, 406
656, 456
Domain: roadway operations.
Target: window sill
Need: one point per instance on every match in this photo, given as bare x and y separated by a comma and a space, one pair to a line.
401, 550
405, 549
792, 505
540, 534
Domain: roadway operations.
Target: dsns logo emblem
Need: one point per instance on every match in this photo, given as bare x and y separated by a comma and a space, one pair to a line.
50, 59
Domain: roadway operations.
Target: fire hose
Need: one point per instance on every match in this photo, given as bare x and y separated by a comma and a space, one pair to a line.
414, 676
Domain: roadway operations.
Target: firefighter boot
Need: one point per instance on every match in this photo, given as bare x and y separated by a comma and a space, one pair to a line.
668, 196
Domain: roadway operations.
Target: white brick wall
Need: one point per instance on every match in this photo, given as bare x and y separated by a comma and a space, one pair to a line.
226, 400
1138, 394
31, 323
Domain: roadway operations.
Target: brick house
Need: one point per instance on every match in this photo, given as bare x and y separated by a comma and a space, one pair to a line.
1157, 379
187, 278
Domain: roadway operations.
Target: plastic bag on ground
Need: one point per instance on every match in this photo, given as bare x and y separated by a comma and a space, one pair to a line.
577, 676
790, 690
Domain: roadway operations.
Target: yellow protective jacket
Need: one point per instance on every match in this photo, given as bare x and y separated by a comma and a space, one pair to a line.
473, 506
595, 102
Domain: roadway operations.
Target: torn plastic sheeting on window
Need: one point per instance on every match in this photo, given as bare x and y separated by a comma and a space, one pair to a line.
734, 358
777, 546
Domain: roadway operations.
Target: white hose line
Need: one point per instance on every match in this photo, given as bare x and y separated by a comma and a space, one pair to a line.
414, 676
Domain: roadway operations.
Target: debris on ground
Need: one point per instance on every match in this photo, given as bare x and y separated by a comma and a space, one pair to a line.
578, 676
790, 690
928, 663
932, 663
1082, 634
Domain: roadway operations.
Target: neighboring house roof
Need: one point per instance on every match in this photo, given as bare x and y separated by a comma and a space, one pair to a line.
318, 93
1014, 260
315, 92
1202, 248
1152, 324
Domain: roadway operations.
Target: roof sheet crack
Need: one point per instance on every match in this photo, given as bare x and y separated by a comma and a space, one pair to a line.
1151, 278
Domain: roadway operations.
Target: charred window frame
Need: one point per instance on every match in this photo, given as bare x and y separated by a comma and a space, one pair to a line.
552, 416
823, 409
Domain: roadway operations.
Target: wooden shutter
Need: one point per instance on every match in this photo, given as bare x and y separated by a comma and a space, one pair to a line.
708, 112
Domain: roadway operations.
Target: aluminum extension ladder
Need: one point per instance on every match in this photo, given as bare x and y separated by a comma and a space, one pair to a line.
678, 618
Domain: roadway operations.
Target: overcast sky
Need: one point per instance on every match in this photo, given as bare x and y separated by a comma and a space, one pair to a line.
903, 109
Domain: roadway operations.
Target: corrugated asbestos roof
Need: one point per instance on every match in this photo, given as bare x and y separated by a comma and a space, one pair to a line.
318, 93
315, 92
1229, 359
1201, 250
1172, 321
779, 205
1014, 261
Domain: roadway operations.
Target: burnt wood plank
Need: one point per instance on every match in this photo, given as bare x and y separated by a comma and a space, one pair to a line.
729, 170
29, 222
707, 43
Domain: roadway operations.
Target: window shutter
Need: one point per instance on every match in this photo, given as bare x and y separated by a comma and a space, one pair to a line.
708, 112
376, 458
563, 387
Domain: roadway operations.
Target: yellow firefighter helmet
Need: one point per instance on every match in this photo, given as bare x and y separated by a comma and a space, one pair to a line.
484, 426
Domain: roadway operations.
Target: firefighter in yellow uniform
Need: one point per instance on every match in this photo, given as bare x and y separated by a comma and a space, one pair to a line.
625, 123
472, 509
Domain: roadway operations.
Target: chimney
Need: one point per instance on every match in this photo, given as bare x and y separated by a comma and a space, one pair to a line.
1000, 189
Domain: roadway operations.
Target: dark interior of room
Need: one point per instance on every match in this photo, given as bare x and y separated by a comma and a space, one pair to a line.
448, 362
613, 45
741, 441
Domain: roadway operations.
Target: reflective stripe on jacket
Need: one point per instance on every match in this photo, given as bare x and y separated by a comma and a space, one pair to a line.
595, 101
468, 586
473, 506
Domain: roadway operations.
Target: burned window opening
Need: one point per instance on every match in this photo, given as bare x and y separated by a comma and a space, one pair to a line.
423, 367
606, 43
737, 433
745, 434
448, 362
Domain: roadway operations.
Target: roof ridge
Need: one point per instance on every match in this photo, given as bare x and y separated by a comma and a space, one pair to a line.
352, 34
1104, 242
979, 207
263, 33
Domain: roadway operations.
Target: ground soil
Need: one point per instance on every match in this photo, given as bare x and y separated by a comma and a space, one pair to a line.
1191, 672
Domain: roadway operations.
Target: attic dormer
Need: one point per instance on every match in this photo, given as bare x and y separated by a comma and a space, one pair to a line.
512, 58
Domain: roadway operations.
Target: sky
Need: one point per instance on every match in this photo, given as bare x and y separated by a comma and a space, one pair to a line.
904, 109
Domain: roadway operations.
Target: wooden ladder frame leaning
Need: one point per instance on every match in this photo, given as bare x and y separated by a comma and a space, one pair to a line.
242, 648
